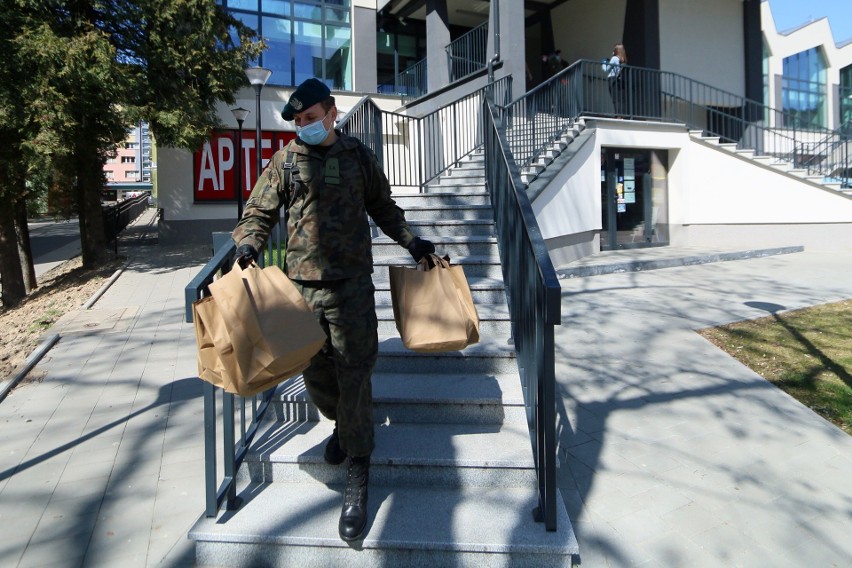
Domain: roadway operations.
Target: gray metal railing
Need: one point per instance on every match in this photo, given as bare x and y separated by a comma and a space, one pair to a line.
466, 54
234, 413
543, 114
119, 215
534, 296
415, 150
412, 82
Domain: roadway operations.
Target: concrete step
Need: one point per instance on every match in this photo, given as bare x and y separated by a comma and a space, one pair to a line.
470, 170
450, 212
418, 398
452, 228
444, 245
406, 455
456, 185
490, 355
470, 196
295, 524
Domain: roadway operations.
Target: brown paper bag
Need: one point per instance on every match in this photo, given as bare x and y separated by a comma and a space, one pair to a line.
254, 330
433, 307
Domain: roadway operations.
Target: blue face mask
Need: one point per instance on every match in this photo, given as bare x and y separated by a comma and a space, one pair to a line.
314, 133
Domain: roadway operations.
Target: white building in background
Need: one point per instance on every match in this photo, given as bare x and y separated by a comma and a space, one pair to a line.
807, 72
697, 192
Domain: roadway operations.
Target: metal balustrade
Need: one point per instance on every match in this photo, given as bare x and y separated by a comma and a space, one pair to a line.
234, 412
543, 114
118, 216
415, 150
534, 297
466, 54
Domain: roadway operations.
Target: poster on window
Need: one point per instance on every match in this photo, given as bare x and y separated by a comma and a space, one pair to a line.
629, 191
215, 164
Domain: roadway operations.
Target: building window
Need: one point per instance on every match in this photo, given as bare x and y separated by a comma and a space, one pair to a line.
109, 174
132, 174
128, 159
131, 145
306, 38
846, 99
803, 90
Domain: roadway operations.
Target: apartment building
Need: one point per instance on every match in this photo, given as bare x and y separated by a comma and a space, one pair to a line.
128, 171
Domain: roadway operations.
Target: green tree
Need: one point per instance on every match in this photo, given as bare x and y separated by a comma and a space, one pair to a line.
85, 70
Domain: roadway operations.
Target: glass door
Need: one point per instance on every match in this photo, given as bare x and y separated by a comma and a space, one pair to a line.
633, 198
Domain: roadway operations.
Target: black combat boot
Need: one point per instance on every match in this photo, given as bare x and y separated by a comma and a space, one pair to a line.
334, 454
353, 517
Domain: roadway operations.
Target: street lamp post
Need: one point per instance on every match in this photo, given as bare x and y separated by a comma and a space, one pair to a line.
240, 114
258, 76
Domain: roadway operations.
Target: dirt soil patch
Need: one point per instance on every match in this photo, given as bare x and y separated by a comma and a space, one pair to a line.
63, 289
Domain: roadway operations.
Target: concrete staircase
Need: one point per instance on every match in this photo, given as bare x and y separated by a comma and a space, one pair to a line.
452, 480
775, 163
571, 133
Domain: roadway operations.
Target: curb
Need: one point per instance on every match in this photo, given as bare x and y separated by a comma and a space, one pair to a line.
689, 260
104, 287
48, 343
31, 361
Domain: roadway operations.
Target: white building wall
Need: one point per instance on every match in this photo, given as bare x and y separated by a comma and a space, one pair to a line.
715, 198
704, 41
587, 29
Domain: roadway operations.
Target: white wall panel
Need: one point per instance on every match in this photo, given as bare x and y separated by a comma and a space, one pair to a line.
587, 29
704, 41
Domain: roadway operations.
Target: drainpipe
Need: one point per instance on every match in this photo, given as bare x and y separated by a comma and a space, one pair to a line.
496, 33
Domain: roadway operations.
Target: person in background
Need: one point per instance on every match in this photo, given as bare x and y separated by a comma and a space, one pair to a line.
328, 183
616, 78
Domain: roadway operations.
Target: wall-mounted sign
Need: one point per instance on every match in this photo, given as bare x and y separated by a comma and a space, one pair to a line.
214, 165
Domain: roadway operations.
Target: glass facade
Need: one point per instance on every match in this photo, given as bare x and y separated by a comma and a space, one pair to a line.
804, 90
305, 38
846, 99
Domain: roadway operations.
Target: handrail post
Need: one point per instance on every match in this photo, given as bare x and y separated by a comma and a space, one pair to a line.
212, 506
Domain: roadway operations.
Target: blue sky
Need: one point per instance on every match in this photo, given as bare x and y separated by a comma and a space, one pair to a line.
792, 13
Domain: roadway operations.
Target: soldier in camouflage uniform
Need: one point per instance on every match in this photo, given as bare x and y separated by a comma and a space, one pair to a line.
328, 183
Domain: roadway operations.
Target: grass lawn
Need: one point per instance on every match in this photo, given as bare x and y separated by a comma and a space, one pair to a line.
807, 353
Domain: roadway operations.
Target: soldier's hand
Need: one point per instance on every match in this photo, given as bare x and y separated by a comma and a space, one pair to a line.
246, 254
420, 248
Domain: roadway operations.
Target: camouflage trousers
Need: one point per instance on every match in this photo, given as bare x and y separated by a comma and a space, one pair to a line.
338, 379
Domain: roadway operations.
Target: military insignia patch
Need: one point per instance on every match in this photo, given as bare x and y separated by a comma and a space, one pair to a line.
295, 103
332, 171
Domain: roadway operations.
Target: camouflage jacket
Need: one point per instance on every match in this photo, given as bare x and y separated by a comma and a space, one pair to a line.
328, 199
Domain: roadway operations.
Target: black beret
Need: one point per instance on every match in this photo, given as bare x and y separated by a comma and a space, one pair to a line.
306, 95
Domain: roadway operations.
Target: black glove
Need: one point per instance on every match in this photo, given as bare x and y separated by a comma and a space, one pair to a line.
420, 248
246, 254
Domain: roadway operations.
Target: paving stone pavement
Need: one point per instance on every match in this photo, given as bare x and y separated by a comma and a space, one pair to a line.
676, 455
672, 453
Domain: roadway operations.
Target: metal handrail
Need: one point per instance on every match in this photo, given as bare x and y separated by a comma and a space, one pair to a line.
540, 116
534, 297
233, 450
118, 216
466, 54
415, 150
411, 81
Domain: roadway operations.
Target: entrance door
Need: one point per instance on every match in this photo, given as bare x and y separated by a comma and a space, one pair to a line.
633, 198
